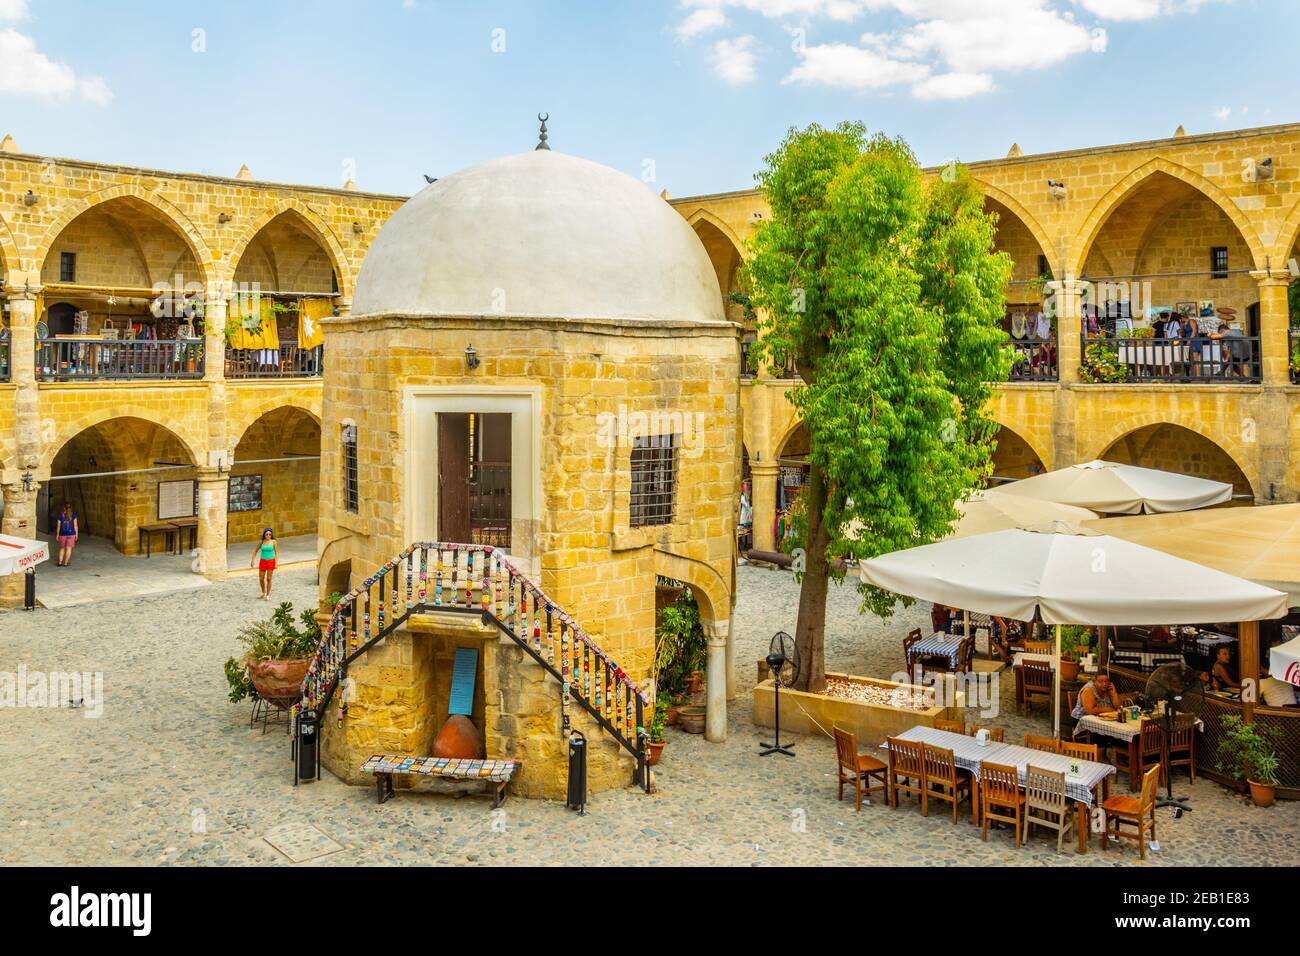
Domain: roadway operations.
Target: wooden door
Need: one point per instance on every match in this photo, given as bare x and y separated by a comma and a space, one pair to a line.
453, 477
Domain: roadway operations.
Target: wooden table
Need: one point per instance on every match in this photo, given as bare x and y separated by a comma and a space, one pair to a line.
967, 754
1130, 733
183, 524
165, 528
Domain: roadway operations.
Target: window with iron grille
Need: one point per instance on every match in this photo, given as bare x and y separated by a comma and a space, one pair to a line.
350, 496
654, 479
1219, 262
67, 267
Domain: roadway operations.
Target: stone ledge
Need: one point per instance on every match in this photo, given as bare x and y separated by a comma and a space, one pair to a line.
451, 623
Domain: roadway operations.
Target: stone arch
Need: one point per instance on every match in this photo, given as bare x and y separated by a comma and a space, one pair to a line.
169, 212
726, 253
277, 454
1013, 455
237, 430
68, 429
10, 262
1246, 479
316, 226
788, 432
1287, 237
1018, 209
711, 590
1122, 190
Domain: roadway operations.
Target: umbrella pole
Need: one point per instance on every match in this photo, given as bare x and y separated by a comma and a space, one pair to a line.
1056, 683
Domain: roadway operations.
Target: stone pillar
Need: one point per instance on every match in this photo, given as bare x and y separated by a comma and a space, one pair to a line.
764, 475
22, 364
214, 334
20, 521
716, 674
1067, 298
213, 498
1274, 326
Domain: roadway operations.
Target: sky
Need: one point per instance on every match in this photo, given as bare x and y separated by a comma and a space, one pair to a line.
687, 95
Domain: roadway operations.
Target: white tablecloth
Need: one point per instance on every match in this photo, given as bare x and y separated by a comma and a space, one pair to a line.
1020, 658
1120, 731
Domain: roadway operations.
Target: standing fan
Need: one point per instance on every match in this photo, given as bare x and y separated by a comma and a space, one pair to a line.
1180, 688
783, 662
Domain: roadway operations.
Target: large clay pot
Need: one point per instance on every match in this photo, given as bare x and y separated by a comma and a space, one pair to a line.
1262, 793
692, 720
656, 748
1069, 670
459, 738
279, 682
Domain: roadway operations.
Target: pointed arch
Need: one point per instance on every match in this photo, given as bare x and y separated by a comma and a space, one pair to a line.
703, 215
1127, 186
1025, 216
710, 588
239, 429
68, 429
1231, 446
166, 210
1287, 237
317, 226
9, 258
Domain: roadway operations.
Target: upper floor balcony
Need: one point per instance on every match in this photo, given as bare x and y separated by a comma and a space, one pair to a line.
98, 359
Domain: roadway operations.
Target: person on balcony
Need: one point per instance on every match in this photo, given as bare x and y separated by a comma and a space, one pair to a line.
1190, 332
1232, 348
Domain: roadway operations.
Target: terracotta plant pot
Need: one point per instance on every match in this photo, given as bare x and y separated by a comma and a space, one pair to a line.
672, 716
279, 682
1069, 670
1262, 793
692, 720
656, 748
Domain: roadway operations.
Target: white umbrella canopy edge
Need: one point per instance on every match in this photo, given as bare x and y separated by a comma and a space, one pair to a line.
19, 554
1117, 488
1284, 662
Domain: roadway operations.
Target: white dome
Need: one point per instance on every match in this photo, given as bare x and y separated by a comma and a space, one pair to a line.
544, 235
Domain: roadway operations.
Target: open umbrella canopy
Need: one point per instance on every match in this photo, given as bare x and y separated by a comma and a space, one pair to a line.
1071, 576
1121, 489
19, 554
986, 511
1261, 544
1284, 662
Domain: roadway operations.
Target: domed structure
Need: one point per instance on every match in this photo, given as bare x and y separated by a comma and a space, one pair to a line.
540, 235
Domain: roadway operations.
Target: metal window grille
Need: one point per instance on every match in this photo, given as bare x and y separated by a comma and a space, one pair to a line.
67, 267
654, 479
1219, 262
350, 495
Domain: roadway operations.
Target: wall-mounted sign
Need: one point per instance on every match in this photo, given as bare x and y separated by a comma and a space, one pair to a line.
178, 499
245, 493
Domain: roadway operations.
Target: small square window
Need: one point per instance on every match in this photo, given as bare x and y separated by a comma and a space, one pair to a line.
1219, 262
654, 479
1044, 267
67, 267
351, 498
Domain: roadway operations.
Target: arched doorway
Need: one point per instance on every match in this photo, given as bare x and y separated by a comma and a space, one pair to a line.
1174, 448
275, 480
1164, 249
1013, 458
792, 476
1032, 333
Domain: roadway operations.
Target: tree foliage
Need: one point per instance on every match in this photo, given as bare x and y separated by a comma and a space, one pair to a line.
883, 287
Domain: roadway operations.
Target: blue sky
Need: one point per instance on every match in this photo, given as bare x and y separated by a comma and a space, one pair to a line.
689, 95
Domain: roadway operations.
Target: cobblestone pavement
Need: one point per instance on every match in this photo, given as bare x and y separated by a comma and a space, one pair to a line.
172, 774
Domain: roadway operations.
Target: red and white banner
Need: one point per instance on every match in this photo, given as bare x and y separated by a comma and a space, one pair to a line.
19, 554
1284, 662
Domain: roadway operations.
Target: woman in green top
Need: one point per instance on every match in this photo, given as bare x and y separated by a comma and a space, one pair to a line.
264, 559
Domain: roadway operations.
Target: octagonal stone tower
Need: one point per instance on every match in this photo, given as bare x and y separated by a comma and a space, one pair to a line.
537, 358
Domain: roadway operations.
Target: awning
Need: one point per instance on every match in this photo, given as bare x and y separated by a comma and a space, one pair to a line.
1284, 662
19, 554
1121, 489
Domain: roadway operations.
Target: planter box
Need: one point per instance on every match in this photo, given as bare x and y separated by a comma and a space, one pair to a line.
871, 722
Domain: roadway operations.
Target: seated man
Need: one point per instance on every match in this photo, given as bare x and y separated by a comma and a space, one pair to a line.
1276, 693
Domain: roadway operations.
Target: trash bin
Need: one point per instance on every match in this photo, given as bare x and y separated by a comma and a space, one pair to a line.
308, 741
29, 589
577, 772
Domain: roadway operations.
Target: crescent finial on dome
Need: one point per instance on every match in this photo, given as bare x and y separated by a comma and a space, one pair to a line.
541, 142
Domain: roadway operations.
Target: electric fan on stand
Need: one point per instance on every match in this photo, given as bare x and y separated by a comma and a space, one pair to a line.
1182, 692
783, 662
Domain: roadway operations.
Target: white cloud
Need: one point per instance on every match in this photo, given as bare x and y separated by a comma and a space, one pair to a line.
11, 10
1223, 112
953, 86
734, 61
701, 21
1012, 35
26, 71
852, 67
1139, 9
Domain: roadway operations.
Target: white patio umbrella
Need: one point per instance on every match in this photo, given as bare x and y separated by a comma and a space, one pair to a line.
1070, 576
19, 554
991, 510
1284, 662
1121, 489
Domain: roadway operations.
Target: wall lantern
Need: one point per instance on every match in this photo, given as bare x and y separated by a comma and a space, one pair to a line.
471, 357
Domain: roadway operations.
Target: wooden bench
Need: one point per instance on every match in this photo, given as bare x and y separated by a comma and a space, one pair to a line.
495, 773
165, 528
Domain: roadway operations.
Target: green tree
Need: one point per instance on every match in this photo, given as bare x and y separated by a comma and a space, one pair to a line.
882, 286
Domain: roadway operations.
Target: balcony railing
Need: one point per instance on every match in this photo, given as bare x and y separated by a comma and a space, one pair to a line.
1231, 359
288, 361
87, 359
1293, 356
1034, 360
4, 356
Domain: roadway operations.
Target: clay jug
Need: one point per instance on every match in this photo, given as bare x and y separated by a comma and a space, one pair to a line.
459, 738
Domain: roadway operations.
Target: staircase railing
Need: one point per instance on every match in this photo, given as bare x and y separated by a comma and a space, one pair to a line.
478, 579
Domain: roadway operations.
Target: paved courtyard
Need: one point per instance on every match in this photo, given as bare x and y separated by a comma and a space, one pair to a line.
171, 773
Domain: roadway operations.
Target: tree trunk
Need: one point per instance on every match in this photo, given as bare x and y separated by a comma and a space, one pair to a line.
810, 628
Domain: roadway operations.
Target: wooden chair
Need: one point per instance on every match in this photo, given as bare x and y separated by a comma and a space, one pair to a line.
966, 655
1036, 683
1150, 750
996, 734
943, 781
912, 637
1139, 812
858, 768
1069, 748
1046, 744
907, 762
1180, 749
1045, 793
1000, 792
952, 726
1038, 647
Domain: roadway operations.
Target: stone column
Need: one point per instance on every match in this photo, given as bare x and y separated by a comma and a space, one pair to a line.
213, 498
22, 364
1069, 353
1274, 326
1270, 434
715, 721
214, 334
764, 475
19, 521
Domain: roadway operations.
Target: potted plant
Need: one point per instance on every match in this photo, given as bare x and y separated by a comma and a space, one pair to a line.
277, 654
1074, 644
657, 725
1247, 752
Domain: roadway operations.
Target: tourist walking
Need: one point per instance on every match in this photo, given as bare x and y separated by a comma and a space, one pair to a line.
264, 560
67, 535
